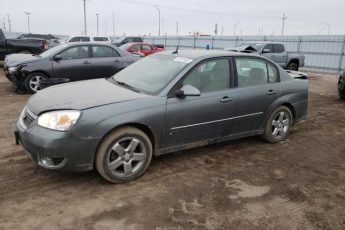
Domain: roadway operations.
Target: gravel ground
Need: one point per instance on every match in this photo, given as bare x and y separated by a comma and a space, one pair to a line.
242, 184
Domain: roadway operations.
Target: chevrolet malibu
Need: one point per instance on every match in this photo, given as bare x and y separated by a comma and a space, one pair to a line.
164, 103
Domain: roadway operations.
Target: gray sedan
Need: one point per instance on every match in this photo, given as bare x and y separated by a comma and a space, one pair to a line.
163, 103
75, 61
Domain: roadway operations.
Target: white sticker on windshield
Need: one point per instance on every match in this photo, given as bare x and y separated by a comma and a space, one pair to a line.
184, 60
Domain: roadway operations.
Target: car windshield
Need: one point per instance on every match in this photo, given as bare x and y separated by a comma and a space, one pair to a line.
52, 51
255, 45
151, 74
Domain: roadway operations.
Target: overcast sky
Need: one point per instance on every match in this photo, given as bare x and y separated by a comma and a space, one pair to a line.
141, 17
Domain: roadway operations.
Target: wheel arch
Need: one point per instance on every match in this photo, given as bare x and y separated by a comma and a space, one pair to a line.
292, 109
142, 127
294, 60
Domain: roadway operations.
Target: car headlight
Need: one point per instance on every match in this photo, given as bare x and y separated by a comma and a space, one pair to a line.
13, 69
61, 120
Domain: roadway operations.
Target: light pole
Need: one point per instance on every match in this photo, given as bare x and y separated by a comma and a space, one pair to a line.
28, 14
159, 20
176, 28
235, 25
283, 18
85, 32
97, 23
9, 23
328, 26
113, 24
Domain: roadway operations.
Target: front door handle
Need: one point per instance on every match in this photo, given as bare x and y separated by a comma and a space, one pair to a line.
225, 99
86, 62
271, 92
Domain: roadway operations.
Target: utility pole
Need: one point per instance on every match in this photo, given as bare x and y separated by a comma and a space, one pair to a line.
176, 28
283, 19
28, 14
222, 30
113, 24
105, 27
328, 26
4, 23
97, 24
85, 32
216, 29
235, 25
9, 23
159, 20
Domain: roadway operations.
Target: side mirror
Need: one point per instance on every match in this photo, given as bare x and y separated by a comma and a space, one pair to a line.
265, 51
57, 58
187, 90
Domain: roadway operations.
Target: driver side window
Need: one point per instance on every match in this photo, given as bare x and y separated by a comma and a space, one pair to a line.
209, 76
77, 52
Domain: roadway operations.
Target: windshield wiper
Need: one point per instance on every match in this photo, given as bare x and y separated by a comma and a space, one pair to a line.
127, 86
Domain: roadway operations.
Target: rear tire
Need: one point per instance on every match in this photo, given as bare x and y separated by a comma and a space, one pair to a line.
124, 155
292, 66
278, 125
341, 94
32, 81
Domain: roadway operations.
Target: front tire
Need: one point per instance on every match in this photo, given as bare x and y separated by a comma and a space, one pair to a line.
278, 125
341, 94
124, 155
32, 81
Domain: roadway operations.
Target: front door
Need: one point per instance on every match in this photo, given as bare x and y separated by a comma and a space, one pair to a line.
75, 64
198, 118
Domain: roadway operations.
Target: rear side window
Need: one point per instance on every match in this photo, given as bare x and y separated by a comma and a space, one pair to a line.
100, 39
146, 47
137, 39
278, 48
80, 39
273, 75
77, 52
103, 51
251, 72
209, 76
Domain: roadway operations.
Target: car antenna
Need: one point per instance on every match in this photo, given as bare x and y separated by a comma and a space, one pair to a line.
176, 51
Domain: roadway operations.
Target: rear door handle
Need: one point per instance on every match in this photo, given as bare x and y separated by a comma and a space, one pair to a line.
271, 92
86, 62
225, 99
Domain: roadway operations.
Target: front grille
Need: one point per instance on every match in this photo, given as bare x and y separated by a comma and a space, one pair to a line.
28, 117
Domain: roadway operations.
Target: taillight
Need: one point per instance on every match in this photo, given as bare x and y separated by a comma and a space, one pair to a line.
45, 44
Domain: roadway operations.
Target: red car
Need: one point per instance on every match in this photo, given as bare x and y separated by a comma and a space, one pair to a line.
141, 48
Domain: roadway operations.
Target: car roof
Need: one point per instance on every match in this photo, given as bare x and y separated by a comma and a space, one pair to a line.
196, 54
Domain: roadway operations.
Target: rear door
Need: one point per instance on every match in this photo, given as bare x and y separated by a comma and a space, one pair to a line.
257, 88
75, 63
106, 61
208, 116
280, 55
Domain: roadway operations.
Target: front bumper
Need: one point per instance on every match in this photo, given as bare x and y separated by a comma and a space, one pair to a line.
56, 150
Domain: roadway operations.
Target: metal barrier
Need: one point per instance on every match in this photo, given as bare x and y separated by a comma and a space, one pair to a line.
324, 53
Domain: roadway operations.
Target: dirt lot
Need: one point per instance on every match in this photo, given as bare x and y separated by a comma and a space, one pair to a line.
243, 184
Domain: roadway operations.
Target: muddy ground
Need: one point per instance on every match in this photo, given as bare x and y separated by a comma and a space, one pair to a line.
243, 184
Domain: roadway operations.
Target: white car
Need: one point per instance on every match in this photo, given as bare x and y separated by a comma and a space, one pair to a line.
83, 38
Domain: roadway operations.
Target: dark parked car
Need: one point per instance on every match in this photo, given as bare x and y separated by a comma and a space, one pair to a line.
163, 103
51, 39
341, 86
75, 61
28, 45
121, 41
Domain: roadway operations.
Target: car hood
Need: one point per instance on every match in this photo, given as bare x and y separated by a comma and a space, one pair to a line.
17, 59
81, 95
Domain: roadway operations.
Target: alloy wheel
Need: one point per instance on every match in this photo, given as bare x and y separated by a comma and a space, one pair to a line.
280, 124
34, 83
126, 157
